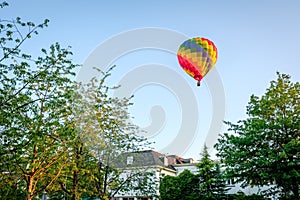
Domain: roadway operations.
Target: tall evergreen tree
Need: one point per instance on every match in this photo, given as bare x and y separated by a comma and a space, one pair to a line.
212, 184
220, 184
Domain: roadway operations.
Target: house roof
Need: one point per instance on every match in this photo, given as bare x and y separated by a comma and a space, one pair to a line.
142, 159
177, 160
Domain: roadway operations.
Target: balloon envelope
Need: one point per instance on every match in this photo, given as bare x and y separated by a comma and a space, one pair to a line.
197, 56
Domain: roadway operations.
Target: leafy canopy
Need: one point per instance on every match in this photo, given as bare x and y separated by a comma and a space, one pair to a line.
264, 149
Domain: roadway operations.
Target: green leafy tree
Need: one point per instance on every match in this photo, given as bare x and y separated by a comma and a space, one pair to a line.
264, 149
57, 136
242, 196
112, 135
103, 134
184, 186
212, 184
35, 94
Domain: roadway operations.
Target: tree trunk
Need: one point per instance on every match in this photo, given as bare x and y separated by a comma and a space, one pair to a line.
76, 172
295, 189
296, 192
99, 183
105, 180
29, 188
75, 185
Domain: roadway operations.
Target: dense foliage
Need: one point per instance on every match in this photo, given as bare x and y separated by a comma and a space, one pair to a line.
264, 149
57, 137
60, 138
212, 183
183, 186
208, 183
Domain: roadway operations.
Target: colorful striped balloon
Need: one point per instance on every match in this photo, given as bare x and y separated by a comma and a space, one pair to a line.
197, 56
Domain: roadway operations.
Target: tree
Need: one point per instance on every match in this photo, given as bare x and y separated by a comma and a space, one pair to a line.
56, 135
212, 184
111, 136
208, 183
35, 96
103, 134
220, 185
264, 149
184, 186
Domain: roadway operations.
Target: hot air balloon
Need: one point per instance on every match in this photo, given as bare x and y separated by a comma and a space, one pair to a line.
197, 56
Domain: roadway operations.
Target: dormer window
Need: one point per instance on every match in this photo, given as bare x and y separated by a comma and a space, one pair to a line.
129, 160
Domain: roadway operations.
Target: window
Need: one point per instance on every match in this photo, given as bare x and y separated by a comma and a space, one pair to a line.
129, 160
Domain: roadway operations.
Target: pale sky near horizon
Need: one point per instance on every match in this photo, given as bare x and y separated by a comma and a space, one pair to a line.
255, 39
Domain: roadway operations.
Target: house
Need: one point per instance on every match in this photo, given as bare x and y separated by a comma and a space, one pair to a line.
154, 162
161, 165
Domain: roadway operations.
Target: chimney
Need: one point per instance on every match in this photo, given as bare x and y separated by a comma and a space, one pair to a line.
166, 163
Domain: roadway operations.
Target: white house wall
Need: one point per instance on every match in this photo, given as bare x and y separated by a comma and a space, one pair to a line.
159, 172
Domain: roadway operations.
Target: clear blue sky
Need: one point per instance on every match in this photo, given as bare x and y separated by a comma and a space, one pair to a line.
254, 39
